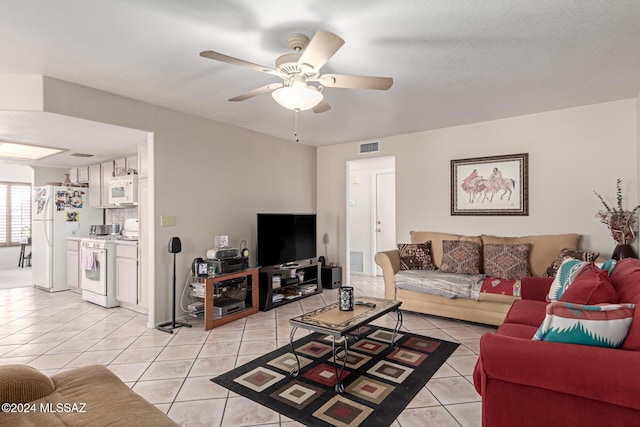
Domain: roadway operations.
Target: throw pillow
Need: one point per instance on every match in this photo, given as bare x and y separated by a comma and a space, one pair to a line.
591, 286
570, 253
504, 261
566, 274
416, 256
459, 256
604, 325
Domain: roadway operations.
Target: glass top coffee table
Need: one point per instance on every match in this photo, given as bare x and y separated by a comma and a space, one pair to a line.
338, 324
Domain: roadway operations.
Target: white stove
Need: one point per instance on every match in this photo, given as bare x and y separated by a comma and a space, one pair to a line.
97, 263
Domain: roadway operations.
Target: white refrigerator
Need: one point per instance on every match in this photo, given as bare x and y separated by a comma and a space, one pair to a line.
56, 213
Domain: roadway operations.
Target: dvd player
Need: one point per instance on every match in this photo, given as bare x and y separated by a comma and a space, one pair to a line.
227, 306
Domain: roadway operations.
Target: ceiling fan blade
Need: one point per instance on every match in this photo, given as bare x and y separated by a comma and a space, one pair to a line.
322, 47
321, 107
355, 82
216, 56
255, 92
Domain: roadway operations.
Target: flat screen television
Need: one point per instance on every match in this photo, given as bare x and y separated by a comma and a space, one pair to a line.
285, 238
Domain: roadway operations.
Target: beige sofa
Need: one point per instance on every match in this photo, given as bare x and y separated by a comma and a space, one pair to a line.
88, 396
490, 308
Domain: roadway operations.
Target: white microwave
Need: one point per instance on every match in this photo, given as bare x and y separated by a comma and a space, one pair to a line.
123, 190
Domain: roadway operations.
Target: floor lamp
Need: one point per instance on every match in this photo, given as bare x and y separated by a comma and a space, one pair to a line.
175, 246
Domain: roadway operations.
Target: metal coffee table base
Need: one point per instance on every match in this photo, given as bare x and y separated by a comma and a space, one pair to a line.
341, 351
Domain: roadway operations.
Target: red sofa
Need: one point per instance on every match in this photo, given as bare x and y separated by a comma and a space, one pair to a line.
539, 383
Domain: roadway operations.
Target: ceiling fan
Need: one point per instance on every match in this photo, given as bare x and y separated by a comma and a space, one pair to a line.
302, 84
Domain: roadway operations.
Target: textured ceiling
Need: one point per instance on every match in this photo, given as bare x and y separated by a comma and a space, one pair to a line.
452, 62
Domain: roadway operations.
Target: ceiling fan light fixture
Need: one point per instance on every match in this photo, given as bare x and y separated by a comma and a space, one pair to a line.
297, 96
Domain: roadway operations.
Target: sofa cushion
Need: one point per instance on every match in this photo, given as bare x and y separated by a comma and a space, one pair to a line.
505, 261
436, 242
517, 330
416, 256
460, 257
544, 248
570, 253
22, 383
625, 278
596, 325
567, 273
590, 287
526, 312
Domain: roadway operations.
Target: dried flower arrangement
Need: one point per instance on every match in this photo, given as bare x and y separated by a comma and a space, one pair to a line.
622, 223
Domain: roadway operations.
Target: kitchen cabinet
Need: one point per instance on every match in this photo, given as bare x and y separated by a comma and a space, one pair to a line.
127, 285
106, 172
83, 174
120, 166
73, 175
95, 186
79, 175
131, 163
73, 265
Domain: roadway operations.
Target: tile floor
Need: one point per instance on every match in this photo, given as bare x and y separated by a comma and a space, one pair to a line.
55, 332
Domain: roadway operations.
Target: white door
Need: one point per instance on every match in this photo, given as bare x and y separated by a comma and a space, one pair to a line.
385, 214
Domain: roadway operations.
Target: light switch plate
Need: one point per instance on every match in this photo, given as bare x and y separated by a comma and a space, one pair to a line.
168, 221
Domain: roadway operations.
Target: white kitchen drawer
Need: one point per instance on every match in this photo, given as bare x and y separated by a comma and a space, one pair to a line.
73, 245
126, 251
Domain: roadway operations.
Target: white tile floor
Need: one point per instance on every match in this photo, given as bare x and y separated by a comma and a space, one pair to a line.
55, 332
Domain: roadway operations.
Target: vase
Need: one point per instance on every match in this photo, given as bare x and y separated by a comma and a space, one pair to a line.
623, 251
67, 179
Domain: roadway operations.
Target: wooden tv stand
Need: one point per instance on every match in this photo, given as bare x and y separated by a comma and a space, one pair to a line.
251, 299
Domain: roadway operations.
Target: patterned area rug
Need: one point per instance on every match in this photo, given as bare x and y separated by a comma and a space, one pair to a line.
379, 379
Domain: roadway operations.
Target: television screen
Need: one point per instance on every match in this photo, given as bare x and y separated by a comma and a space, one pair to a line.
284, 238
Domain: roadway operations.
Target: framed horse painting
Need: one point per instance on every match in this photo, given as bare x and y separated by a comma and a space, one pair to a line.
496, 185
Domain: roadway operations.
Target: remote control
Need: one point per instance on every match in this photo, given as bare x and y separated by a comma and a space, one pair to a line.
368, 304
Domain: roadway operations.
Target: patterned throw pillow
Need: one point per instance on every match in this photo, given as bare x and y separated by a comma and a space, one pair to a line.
570, 253
564, 277
416, 256
459, 256
604, 325
510, 262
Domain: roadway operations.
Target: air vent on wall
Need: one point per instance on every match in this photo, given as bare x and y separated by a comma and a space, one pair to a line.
81, 155
368, 147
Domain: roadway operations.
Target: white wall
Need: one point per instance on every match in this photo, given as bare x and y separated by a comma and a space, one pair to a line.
213, 177
572, 152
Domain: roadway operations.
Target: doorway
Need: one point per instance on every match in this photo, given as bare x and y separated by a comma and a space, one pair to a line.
371, 202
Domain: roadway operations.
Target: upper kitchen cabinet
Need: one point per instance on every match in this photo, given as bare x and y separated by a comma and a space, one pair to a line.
132, 163
99, 178
126, 165
79, 175
95, 186
107, 173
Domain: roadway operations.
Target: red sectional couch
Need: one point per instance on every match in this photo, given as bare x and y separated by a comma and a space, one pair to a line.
538, 383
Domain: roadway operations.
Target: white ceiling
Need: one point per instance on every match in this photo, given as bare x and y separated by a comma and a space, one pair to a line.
452, 62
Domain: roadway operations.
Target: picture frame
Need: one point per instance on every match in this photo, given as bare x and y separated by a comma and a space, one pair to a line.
494, 185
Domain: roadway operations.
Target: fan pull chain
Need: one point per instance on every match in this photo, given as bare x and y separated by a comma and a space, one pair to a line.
295, 124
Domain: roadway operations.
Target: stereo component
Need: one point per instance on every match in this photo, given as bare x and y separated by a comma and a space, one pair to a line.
224, 266
222, 253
